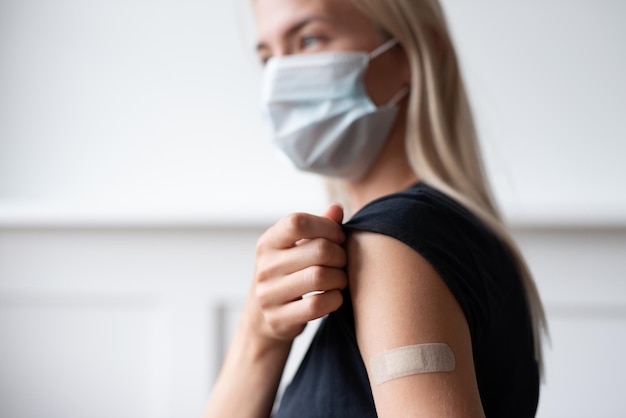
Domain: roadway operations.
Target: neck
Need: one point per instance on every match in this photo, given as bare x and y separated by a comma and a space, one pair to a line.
390, 173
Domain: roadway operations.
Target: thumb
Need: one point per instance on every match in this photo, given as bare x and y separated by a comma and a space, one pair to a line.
334, 212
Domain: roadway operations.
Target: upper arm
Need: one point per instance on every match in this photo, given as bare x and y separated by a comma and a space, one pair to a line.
400, 300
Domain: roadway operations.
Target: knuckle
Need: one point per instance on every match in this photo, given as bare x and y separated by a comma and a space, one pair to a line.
296, 222
266, 241
324, 303
334, 301
329, 254
263, 273
261, 244
323, 251
317, 276
315, 306
279, 327
266, 269
273, 321
263, 297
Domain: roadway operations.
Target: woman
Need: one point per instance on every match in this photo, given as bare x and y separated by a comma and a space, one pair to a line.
368, 93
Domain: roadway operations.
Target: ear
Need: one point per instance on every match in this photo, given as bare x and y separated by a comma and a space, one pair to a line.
403, 63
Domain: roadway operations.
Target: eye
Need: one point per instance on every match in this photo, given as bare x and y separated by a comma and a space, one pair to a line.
310, 41
263, 59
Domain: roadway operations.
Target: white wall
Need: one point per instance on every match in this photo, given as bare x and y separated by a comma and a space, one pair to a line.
547, 81
137, 105
135, 177
131, 322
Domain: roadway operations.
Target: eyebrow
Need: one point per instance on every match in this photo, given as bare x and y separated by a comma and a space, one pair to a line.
294, 28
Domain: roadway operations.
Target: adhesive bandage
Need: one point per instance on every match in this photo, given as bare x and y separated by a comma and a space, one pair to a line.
412, 359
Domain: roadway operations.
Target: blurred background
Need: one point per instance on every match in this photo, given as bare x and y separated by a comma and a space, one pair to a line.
135, 178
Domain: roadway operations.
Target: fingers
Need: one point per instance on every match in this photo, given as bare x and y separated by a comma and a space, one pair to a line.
314, 252
334, 213
299, 255
288, 320
286, 312
298, 226
291, 288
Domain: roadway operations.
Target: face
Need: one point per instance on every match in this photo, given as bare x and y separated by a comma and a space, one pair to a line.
286, 27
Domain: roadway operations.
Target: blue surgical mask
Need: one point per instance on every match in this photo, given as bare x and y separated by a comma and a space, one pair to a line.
320, 115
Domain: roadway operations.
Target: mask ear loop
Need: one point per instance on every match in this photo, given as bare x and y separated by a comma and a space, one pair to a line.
398, 96
383, 48
379, 51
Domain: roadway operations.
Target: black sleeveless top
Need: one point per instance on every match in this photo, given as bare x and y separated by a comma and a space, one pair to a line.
480, 273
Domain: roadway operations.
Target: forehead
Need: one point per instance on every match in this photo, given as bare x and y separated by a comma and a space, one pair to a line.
266, 10
274, 17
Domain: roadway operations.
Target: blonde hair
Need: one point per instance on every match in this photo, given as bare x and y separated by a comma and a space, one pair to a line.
441, 140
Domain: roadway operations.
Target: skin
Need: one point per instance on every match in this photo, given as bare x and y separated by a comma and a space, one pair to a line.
398, 298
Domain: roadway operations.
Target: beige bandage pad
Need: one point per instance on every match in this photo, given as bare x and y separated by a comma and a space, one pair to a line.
412, 359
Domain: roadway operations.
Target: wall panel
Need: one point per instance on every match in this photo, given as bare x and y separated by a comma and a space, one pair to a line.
135, 321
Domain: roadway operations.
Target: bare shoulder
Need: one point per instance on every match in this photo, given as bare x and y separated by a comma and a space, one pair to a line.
400, 300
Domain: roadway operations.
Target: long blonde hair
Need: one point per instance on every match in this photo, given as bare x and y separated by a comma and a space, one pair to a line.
441, 140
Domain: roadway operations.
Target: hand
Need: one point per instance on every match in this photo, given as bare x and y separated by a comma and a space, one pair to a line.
300, 254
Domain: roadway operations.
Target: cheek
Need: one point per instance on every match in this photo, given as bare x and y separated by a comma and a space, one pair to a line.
383, 80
